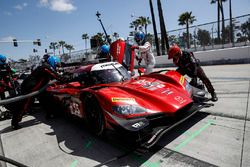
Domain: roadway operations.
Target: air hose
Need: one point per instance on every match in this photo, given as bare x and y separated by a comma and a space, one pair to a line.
8, 160
21, 97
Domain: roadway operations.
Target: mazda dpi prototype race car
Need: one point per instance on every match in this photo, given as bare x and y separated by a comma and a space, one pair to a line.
145, 107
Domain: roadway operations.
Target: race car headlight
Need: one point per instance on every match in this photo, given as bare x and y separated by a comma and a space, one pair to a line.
128, 109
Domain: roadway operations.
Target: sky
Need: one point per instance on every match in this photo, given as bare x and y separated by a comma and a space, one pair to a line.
67, 20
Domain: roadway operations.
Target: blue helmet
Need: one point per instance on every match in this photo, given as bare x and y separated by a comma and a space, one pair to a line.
105, 48
139, 37
2, 59
54, 61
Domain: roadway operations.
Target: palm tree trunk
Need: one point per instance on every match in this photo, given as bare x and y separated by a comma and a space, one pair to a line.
59, 52
63, 49
223, 23
218, 24
85, 45
231, 24
164, 27
187, 28
154, 28
163, 48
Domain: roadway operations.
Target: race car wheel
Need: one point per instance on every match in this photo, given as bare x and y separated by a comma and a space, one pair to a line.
94, 115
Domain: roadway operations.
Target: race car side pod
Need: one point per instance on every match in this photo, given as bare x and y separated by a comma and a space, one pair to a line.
21, 97
2, 158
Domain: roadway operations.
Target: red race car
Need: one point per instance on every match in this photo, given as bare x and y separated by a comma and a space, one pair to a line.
146, 107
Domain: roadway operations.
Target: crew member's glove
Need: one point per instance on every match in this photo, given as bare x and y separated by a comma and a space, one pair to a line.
138, 59
133, 47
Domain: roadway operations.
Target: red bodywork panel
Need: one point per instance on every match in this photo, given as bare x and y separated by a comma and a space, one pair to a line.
117, 50
152, 94
121, 52
155, 95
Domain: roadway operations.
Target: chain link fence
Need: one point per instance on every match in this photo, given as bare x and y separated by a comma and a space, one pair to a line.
206, 36
201, 37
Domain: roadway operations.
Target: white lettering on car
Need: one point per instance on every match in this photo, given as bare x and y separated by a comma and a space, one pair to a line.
138, 124
167, 91
118, 49
150, 85
180, 99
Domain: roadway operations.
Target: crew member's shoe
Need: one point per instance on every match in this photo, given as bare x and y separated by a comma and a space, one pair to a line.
15, 127
15, 124
214, 97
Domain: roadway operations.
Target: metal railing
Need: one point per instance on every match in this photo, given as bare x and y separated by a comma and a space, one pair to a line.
206, 36
201, 37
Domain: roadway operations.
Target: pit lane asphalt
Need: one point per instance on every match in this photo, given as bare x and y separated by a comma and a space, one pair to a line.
216, 136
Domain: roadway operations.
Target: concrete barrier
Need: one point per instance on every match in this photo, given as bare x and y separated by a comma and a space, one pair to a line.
235, 55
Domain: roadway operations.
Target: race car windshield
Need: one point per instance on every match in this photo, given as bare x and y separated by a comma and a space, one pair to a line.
110, 75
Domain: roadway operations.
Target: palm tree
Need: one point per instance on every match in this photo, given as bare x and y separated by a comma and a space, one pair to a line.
220, 11
231, 23
218, 17
85, 37
69, 48
53, 45
154, 28
61, 45
164, 37
245, 29
101, 37
148, 21
98, 39
223, 20
186, 19
135, 24
144, 22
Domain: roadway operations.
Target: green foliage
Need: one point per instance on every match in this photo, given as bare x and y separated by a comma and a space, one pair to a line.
140, 22
204, 37
245, 28
186, 18
100, 38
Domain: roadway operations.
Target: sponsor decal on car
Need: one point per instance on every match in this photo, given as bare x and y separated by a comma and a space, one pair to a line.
105, 66
138, 124
180, 99
168, 91
149, 85
122, 99
182, 79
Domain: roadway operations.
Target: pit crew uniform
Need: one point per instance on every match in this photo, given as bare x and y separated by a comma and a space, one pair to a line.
35, 81
145, 53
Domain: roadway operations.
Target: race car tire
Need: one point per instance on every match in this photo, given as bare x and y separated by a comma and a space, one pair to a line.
94, 115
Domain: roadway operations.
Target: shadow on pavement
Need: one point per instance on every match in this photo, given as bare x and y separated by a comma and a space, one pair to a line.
110, 150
